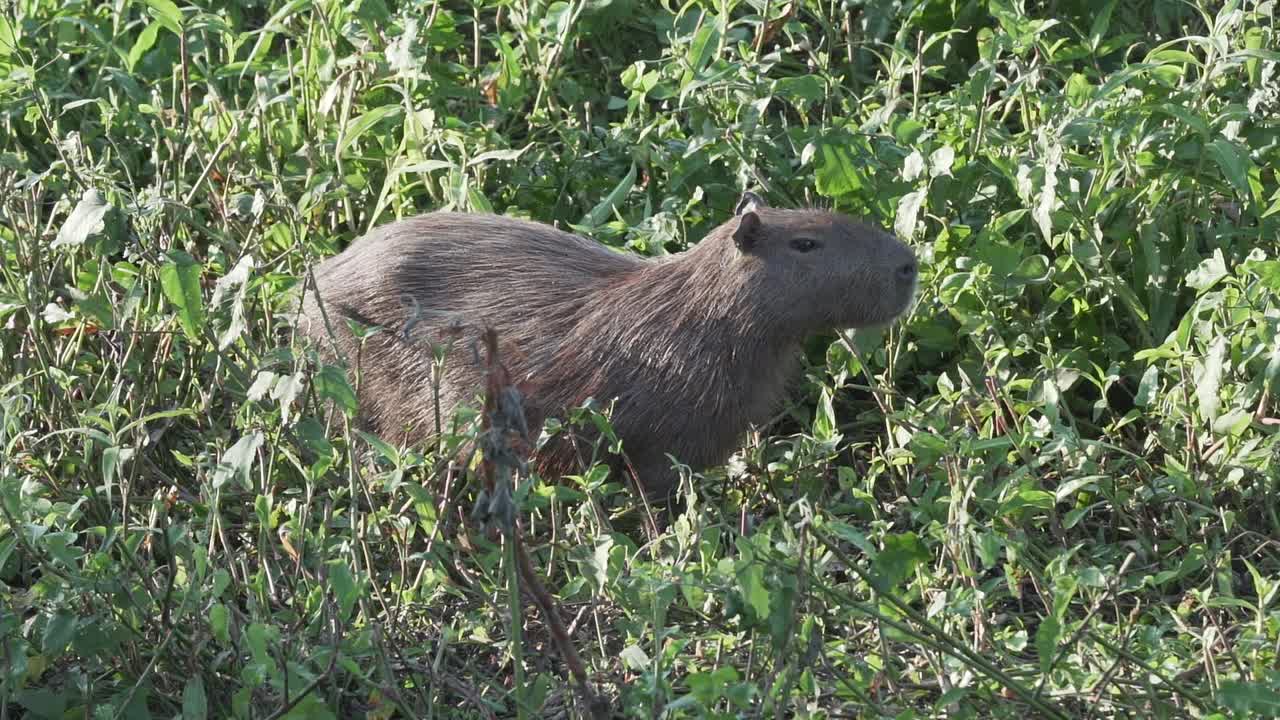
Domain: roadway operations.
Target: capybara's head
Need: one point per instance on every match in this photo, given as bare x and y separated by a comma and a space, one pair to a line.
828, 271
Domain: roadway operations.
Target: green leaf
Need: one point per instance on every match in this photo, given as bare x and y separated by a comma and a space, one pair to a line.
58, 633
364, 123
180, 283
195, 705
331, 384
751, 585
837, 171
597, 565
1047, 637
897, 560
824, 423
167, 14
1268, 272
113, 460
1272, 372
8, 39
801, 90
219, 623
1101, 22
85, 220
603, 210
1210, 380
43, 703
1250, 699
704, 45
1147, 387
491, 155
146, 40
344, 587
1234, 162
1079, 89
237, 460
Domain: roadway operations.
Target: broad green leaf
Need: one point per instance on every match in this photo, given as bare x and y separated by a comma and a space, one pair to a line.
704, 45
1234, 162
331, 383
1047, 637
365, 123
1147, 387
42, 703
146, 40
801, 90
195, 705
58, 632
1272, 373
1101, 22
837, 172
180, 283
345, 589
96, 307
1253, 39
8, 39
897, 560
1068, 489
754, 593
1251, 699
219, 623
1079, 89
85, 220
167, 14
597, 564
603, 210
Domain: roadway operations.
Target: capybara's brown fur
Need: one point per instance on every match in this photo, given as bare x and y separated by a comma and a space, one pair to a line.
694, 348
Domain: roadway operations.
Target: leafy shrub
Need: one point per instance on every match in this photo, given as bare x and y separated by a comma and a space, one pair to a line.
1051, 490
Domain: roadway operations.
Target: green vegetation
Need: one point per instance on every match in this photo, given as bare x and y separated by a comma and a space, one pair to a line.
1052, 491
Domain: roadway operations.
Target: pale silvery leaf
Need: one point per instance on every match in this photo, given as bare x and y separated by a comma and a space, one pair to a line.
912, 166
85, 220
941, 160
53, 314
261, 384
238, 275
1048, 197
1210, 380
908, 209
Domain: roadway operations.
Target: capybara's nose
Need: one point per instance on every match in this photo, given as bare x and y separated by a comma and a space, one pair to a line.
907, 271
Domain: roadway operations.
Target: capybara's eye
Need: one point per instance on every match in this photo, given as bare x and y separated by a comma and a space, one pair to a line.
804, 244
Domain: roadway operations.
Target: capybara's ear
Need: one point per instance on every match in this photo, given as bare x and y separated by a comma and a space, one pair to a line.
749, 202
747, 234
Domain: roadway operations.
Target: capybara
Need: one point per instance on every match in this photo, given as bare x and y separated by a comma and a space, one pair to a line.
693, 348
